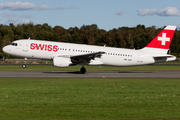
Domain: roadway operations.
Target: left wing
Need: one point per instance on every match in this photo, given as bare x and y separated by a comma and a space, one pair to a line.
85, 58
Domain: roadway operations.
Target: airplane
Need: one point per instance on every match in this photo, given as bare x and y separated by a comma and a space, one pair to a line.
67, 54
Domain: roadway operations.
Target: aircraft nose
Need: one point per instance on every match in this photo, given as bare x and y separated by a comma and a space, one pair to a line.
5, 49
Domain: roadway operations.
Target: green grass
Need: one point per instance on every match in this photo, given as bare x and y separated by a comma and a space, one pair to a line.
114, 99
156, 67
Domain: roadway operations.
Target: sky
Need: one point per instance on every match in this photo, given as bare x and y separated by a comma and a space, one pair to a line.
106, 14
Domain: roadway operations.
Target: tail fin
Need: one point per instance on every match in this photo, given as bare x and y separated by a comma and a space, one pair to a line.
162, 41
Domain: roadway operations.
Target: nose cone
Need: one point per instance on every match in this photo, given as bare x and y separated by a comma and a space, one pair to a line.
5, 49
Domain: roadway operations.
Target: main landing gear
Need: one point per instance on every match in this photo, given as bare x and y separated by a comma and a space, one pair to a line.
83, 70
24, 65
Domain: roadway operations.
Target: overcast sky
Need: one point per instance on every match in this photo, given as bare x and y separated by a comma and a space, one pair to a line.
107, 14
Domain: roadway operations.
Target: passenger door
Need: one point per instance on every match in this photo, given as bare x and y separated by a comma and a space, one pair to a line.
25, 46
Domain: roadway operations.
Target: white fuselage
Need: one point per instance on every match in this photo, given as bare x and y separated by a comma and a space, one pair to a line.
47, 50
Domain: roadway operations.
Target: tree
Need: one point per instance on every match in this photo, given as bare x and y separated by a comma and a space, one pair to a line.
5, 41
175, 45
59, 34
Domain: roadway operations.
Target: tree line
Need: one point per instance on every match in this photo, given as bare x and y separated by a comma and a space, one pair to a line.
122, 37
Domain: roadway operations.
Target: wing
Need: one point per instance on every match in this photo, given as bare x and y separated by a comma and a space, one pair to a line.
85, 58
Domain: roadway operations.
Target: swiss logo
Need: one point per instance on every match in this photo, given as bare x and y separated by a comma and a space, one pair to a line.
163, 39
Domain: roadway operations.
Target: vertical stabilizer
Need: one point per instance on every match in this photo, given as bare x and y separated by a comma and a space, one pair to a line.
162, 41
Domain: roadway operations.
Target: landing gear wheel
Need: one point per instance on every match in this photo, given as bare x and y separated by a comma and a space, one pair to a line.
83, 70
24, 66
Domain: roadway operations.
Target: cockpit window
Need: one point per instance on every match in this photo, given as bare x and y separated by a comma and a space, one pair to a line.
13, 44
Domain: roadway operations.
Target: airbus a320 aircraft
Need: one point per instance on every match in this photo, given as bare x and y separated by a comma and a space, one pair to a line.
66, 54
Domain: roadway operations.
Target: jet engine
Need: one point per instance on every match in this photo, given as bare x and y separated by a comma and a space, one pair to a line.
61, 62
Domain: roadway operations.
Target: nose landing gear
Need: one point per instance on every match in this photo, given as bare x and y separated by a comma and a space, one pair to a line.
24, 65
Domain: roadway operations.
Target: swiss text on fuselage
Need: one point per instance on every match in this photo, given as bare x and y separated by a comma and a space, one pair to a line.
44, 47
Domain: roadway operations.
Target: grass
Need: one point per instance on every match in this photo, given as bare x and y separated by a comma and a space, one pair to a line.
71, 98
156, 67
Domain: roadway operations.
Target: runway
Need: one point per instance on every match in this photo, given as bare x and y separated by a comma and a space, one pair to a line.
90, 74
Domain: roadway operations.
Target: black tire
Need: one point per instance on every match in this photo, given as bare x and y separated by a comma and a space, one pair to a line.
83, 70
24, 66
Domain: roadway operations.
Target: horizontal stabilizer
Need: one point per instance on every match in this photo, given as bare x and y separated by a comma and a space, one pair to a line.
163, 58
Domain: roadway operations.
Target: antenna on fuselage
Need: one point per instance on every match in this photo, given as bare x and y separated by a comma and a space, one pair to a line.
29, 38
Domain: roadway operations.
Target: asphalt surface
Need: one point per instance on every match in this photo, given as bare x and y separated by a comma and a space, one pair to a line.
90, 74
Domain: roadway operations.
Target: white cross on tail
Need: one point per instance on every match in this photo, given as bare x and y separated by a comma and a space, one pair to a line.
163, 39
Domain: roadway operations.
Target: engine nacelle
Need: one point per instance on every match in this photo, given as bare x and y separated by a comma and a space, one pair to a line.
61, 62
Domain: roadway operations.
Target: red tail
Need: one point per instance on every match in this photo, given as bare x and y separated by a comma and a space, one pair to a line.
163, 39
